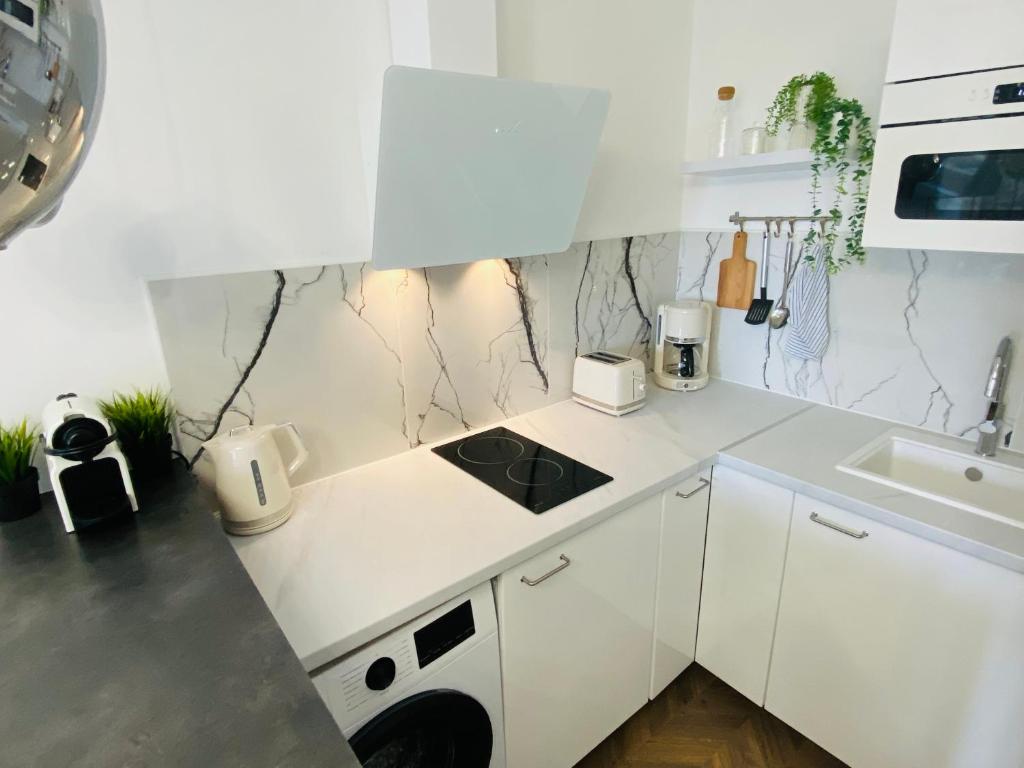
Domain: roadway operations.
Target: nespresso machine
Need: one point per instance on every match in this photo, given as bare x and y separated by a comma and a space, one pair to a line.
87, 469
682, 344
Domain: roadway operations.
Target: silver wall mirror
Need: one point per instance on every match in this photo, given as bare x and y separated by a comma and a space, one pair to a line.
52, 63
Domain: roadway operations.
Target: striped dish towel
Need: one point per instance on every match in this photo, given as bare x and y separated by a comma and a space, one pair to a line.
808, 334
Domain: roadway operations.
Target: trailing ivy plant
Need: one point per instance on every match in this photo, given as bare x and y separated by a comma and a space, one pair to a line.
839, 124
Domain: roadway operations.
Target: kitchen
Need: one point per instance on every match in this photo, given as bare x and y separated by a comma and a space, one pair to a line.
795, 545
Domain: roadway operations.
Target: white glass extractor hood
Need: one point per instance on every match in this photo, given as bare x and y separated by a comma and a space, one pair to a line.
473, 167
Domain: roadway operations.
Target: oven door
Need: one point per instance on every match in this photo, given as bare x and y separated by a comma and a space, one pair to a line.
952, 186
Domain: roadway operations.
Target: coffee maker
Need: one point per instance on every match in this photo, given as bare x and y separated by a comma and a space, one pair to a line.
88, 472
682, 345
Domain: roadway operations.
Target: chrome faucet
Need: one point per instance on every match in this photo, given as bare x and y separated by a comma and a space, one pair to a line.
988, 430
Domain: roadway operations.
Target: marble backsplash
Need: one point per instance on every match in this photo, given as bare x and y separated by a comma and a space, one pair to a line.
368, 364
912, 334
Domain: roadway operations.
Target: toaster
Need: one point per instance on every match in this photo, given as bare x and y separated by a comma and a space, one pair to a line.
610, 383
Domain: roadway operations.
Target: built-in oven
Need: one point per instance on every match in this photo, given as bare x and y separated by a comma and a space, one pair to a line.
949, 164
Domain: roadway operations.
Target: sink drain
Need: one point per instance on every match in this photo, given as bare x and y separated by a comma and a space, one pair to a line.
973, 474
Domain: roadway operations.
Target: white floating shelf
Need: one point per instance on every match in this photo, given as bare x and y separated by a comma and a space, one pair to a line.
743, 165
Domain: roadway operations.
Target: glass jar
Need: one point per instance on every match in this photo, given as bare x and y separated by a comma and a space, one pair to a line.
723, 141
801, 136
754, 140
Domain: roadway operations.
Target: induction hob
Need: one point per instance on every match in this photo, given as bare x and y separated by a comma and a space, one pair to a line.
529, 473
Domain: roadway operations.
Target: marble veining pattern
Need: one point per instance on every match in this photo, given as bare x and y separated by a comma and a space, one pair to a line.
368, 364
621, 284
912, 333
202, 429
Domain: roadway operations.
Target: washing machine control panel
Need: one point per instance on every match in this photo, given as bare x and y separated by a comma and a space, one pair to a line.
380, 674
385, 670
442, 634
361, 683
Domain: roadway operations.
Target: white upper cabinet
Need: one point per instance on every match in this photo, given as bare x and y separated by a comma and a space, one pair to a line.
640, 52
748, 527
944, 37
895, 651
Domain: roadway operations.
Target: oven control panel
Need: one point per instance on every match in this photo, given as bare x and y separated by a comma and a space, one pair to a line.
1008, 93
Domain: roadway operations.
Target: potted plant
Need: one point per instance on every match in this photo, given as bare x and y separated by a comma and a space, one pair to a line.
842, 140
19, 479
142, 421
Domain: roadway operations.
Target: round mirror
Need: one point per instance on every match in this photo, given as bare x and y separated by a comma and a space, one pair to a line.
51, 87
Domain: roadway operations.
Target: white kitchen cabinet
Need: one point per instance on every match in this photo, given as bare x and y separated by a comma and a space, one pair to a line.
684, 518
896, 651
576, 646
748, 529
944, 37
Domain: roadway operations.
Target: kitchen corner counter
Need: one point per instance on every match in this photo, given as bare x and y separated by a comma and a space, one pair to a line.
801, 454
148, 645
373, 547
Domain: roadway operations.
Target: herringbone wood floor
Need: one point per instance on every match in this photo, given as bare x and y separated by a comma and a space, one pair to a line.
700, 722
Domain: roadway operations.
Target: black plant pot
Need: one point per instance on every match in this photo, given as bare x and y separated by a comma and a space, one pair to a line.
21, 498
149, 460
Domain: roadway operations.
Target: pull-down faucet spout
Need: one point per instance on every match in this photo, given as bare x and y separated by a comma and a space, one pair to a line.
988, 430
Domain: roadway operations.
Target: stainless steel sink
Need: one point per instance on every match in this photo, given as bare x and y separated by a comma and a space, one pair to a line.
946, 470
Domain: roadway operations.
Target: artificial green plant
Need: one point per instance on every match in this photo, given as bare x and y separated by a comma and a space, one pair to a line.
141, 419
17, 449
840, 125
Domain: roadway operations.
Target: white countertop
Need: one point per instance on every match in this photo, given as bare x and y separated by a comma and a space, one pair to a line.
371, 548
802, 453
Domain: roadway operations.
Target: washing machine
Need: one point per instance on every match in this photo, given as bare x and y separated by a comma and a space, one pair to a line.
426, 695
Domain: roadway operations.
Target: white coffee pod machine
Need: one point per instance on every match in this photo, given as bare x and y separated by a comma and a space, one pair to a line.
88, 472
682, 344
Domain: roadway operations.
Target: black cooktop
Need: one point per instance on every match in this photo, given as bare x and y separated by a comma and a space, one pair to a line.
530, 474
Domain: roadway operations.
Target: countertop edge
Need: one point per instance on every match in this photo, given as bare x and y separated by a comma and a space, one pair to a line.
873, 512
331, 653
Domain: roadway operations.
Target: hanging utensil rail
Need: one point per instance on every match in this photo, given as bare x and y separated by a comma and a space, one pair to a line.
778, 220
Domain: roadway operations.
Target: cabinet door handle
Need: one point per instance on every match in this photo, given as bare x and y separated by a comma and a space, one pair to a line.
816, 518
703, 484
566, 562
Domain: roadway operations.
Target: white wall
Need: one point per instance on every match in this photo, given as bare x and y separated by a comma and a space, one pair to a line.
757, 46
641, 53
896, 350
230, 141
73, 303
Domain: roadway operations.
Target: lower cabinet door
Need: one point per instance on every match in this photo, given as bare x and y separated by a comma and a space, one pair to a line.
684, 520
576, 644
893, 651
748, 528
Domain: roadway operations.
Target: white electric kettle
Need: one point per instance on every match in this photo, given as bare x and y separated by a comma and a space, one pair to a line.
251, 478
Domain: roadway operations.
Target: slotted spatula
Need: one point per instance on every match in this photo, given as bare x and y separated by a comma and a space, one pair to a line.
761, 307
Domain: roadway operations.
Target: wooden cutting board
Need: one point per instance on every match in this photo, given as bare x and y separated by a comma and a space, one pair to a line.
737, 276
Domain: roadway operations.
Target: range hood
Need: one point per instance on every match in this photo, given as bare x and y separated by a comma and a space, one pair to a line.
473, 167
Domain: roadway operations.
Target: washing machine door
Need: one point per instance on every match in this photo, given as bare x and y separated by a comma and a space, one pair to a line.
432, 729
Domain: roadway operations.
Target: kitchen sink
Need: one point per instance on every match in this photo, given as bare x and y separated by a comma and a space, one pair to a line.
946, 470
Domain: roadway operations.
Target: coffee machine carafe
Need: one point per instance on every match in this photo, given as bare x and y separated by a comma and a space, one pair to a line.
682, 344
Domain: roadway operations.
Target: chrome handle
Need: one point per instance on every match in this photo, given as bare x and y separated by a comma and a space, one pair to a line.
566, 562
703, 484
816, 518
